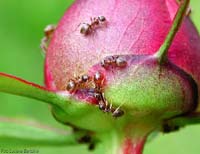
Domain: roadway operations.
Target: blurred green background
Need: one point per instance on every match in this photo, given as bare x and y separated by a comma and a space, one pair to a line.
21, 29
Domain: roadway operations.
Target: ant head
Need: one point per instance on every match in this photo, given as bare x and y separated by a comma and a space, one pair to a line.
102, 18
85, 78
121, 62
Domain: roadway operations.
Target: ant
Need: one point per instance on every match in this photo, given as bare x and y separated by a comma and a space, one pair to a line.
99, 95
87, 28
97, 80
79, 82
114, 61
104, 106
48, 33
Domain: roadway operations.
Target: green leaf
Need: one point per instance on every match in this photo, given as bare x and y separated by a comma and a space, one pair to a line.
29, 135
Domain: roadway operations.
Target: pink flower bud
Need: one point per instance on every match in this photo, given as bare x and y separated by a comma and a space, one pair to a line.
132, 27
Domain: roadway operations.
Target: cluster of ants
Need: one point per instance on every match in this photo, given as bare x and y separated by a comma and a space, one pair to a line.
97, 82
85, 81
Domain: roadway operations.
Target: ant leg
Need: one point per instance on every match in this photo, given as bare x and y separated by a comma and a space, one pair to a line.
43, 45
100, 100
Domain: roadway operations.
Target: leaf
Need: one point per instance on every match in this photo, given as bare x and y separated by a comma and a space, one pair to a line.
17, 133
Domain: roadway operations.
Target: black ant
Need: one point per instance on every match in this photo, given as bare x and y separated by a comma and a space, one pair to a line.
87, 28
48, 33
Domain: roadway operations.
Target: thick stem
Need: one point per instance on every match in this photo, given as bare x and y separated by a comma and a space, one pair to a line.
116, 143
133, 146
129, 139
162, 52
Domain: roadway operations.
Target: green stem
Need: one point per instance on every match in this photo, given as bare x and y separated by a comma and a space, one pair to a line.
13, 85
162, 52
120, 143
66, 109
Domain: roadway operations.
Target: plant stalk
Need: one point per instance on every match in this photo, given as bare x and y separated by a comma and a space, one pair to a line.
116, 143
66, 109
161, 54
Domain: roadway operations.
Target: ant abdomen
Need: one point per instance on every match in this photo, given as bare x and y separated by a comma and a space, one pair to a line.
85, 29
71, 86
